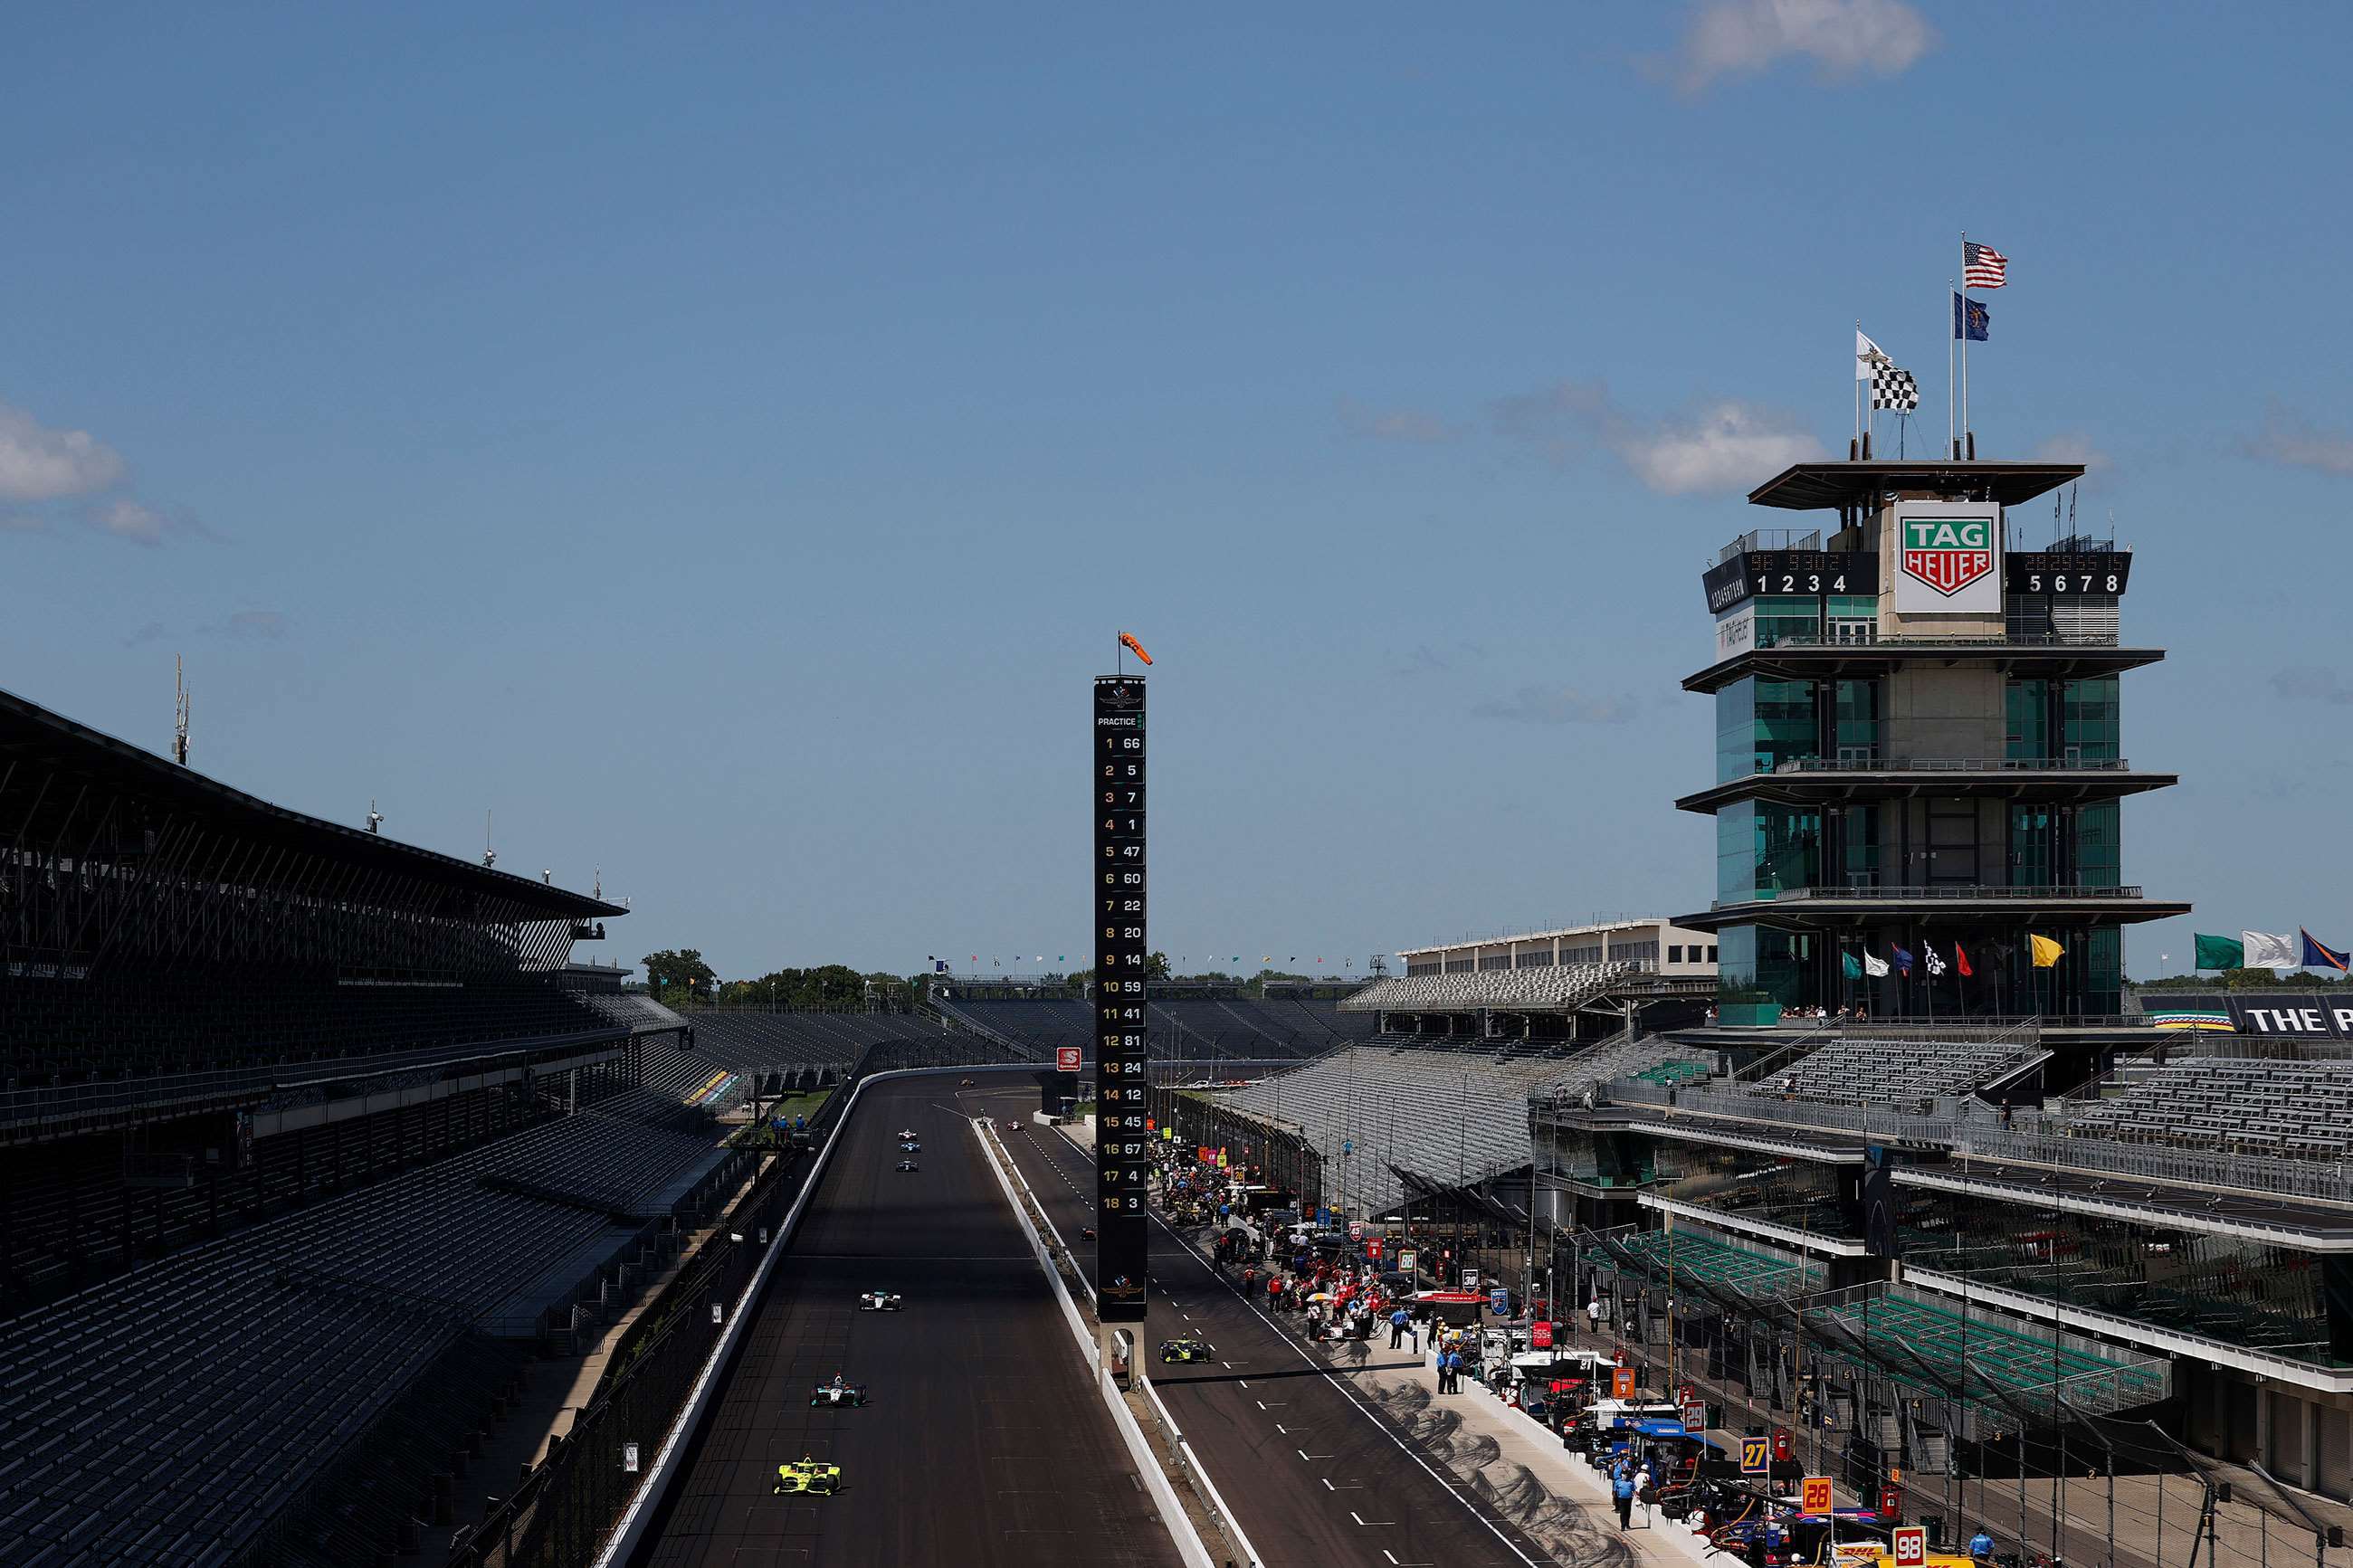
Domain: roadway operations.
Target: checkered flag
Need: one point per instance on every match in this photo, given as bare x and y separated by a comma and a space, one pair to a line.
1893, 388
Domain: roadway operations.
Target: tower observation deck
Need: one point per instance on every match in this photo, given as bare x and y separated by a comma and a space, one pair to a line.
1918, 748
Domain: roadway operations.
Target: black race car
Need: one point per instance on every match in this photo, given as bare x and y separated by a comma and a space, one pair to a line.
838, 1392
912, 1146
909, 1166
880, 1301
1186, 1350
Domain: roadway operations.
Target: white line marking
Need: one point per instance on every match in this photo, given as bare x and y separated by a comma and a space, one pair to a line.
1337, 1383
1370, 1523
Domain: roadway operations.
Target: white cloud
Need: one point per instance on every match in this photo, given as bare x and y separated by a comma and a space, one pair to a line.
1408, 425
1842, 37
1558, 705
1725, 444
2287, 441
126, 518
2073, 446
39, 464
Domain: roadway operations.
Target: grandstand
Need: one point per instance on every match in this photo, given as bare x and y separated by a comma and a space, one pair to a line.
1187, 1022
343, 1103
1853, 1069
2300, 1110
162, 1417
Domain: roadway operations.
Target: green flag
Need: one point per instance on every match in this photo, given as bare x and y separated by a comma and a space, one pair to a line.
1847, 963
2221, 952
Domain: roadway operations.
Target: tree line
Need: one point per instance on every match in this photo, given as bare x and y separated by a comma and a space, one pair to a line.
680, 977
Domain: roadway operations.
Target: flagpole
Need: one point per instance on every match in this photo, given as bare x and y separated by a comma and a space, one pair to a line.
1858, 391
1961, 325
1952, 439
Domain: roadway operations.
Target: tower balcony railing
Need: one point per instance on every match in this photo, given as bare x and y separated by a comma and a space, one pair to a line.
1768, 538
1872, 761
1941, 892
1990, 641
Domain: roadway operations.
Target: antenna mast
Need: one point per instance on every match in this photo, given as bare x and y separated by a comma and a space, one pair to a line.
179, 711
489, 855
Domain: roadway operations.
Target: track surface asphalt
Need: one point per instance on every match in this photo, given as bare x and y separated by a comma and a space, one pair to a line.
984, 1444
1311, 1474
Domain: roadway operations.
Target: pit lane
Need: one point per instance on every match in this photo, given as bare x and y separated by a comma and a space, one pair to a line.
983, 1442
1312, 1473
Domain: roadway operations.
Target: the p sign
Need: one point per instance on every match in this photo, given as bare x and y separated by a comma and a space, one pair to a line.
1814, 1495
1755, 1454
1911, 1547
1068, 1059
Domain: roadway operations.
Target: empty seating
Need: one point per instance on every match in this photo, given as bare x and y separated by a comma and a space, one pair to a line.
2297, 1110
1853, 1071
184, 1403
1555, 986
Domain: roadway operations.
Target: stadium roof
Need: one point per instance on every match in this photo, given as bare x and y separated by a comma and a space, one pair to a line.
32, 735
1814, 487
1624, 922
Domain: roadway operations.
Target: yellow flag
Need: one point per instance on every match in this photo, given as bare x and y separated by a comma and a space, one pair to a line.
2046, 952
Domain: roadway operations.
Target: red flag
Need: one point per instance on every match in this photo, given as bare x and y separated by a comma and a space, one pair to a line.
1962, 957
1133, 647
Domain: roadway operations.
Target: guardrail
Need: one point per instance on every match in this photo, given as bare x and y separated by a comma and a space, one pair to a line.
1874, 764
1941, 893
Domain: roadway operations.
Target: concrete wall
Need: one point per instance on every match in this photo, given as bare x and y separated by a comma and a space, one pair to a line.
1944, 710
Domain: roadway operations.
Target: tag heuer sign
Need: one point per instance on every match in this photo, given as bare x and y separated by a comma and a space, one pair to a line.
1948, 558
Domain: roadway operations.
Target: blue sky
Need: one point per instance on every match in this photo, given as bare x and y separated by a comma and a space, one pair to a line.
724, 441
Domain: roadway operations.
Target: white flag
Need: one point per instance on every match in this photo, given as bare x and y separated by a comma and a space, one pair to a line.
2267, 951
1868, 357
1874, 967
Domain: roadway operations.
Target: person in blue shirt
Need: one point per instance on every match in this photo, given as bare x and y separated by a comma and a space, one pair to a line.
1621, 1492
1398, 1321
1982, 1547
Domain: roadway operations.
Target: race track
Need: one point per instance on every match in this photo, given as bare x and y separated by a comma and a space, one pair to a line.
984, 1443
1312, 1472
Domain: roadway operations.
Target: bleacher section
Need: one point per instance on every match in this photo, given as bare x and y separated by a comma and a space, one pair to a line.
1687, 1253
162, 1417
638, 1013
1239, 1029
1556, 986
147, 1023
1443, 1115
770, 1042
68, 1215
1853, 1071
1980, 1348
1636, 1060
2300, 1110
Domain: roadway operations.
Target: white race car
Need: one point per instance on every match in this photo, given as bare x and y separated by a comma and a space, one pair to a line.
906, 1132
880, 1301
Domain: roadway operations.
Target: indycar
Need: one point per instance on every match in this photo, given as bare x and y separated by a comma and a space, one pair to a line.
838, 1392
1186, 1350
909, 1166
880, 1301
907, 1133
806, 1475
910, 1146
964, 1083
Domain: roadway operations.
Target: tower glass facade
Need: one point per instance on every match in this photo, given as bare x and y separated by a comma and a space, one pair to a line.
1896, 772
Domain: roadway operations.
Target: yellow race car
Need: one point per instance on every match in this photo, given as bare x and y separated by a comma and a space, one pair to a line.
806, 1475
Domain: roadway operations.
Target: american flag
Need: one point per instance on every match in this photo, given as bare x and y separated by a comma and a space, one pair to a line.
1982, 266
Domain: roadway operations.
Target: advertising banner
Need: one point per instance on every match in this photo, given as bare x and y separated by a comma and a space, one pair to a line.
1948, 557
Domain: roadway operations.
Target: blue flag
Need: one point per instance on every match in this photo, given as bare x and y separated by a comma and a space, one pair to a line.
1970, 320
2318, 957
1903, 961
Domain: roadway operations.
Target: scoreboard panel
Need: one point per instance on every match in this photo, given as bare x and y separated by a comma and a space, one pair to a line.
1122, 1157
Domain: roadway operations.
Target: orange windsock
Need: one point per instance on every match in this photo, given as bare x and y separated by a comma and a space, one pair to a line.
1133, 647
